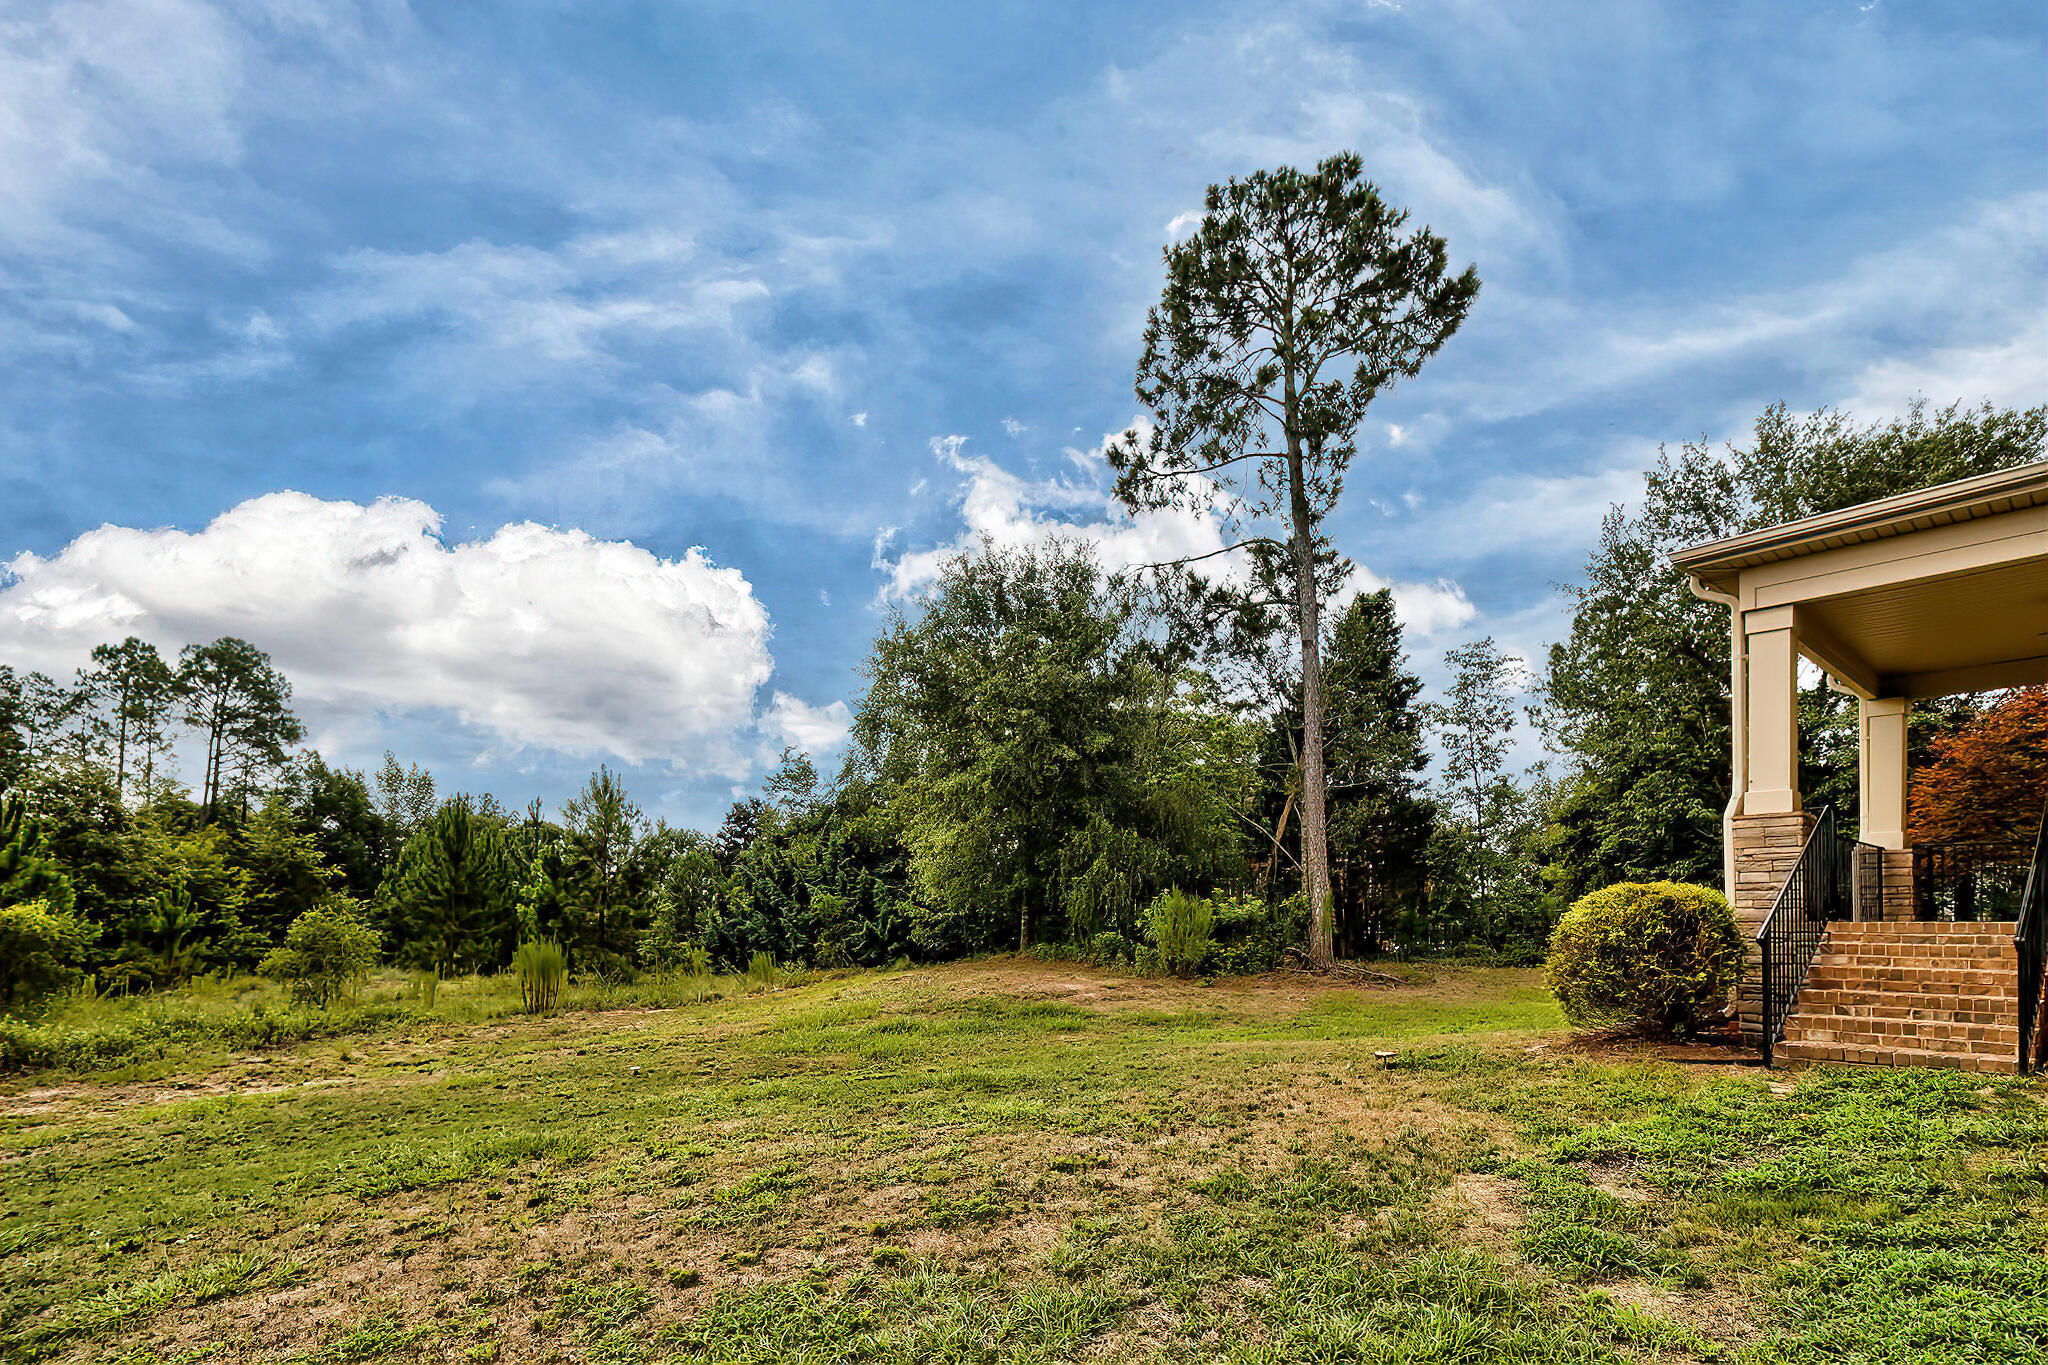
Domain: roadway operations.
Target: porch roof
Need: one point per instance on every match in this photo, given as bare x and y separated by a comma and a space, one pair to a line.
1716, 562
1928, 593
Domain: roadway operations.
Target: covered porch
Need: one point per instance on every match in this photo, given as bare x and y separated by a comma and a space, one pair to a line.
1923, 595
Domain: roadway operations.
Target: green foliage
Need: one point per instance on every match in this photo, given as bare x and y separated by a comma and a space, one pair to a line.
454, 888
761, 970
241, 704
27, 871
1180, 927
1110, 949
602, 877
541, 968
284, 875
326, 953
40, 951
1042, 771
1661, 955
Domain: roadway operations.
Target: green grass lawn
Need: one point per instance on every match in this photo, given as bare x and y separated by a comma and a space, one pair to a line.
1007, 1161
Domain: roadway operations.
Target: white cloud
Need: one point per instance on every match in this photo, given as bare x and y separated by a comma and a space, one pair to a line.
541, 638
860, 419
1007, 511
1001, 509
819, 731
1014, 427
1425, 610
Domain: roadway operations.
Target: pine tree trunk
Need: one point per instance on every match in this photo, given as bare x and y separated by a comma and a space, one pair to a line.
1315, 827
121, 745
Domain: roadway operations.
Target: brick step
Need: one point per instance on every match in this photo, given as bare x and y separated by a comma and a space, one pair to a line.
1912, 1009
1856, 950
1932, 1037
1922, 933
1859, 988
1918, 978
1969, 995
1896, 1056
1870, 962
1908, 971
1942, 938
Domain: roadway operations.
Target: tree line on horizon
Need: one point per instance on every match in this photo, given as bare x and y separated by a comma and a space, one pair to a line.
1045, 749
1039, 754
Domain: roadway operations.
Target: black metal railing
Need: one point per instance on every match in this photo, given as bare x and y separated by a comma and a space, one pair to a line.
2030, 944
1836, 878
1969, 879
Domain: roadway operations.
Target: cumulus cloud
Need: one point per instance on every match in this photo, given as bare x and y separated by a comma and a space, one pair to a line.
542, 638
1002, 509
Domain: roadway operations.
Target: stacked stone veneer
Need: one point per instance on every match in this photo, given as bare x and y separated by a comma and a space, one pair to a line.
1766, 850
1898, 884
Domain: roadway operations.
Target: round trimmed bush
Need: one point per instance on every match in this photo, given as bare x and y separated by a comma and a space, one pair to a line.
1663, 956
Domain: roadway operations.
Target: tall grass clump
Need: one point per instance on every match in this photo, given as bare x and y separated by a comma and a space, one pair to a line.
1182, 929
761, 971
541, 969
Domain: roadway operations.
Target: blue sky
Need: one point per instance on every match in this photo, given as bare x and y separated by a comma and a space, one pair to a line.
554, 384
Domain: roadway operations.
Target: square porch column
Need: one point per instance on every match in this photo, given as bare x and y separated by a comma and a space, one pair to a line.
1881, 770
1767, 833
1772, 712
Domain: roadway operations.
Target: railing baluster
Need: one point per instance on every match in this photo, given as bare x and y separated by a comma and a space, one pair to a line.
2030, 942
1822, 886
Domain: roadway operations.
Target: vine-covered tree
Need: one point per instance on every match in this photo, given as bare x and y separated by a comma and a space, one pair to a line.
1296, 302
1374, 757
1475, 725
1019, 732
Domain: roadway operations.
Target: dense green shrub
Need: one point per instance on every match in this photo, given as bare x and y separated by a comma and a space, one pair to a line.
541, 968
1110, 950
1249, 958
1660, 955
325, 955
1180, 926
1251, 932
40, 949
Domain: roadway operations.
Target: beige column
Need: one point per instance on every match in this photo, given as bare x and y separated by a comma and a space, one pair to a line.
1772, 712
1881, 770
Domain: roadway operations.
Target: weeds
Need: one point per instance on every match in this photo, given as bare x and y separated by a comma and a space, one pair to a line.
541, 970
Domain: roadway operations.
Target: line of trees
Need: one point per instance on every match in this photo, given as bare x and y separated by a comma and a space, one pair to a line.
1041, 752
1043, 749
1035, 760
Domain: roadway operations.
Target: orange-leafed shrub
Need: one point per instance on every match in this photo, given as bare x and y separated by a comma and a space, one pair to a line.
1988, 779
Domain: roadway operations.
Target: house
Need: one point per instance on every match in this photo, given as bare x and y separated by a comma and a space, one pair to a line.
1859, 951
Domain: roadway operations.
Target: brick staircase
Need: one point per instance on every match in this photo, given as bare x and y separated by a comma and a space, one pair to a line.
1903, 993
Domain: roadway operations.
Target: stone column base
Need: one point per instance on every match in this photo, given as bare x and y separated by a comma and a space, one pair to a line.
1766, 850
1899, 903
